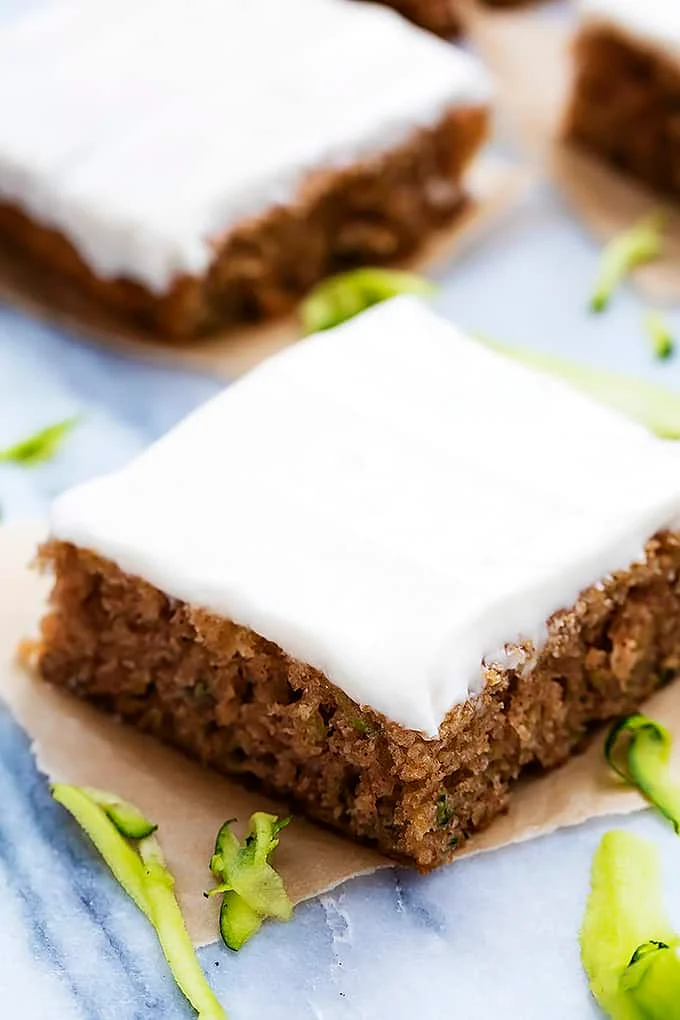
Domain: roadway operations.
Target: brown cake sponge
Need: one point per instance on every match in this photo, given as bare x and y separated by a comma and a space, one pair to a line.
240, 704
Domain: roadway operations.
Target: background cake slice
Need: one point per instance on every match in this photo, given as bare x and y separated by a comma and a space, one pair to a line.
385, 574
445, 17
198, 171
627, 88
440, 16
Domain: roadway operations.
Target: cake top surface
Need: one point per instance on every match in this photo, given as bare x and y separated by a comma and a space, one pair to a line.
390, 502
144, 134
656, 21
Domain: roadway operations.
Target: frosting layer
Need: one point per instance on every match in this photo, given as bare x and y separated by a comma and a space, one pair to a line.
389, 502
146, 130
656, 21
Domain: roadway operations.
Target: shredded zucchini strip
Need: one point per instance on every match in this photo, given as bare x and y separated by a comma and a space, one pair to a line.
641, 243
623, 928
339, 298
139, 867
638, 749
252, 890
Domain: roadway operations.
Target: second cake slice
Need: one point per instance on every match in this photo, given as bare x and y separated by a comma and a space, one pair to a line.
194, 173
626, 90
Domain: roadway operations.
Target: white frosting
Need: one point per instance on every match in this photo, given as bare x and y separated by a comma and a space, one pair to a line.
390, 502
145, 130
655, 21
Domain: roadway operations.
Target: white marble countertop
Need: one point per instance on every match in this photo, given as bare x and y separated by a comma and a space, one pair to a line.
490, 936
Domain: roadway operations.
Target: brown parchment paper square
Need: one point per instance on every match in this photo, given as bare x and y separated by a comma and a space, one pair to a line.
74, 743
494, 186
529, 54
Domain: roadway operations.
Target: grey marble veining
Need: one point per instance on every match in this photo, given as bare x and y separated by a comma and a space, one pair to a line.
491, 936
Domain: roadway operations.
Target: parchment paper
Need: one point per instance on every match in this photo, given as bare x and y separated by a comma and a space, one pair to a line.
74, 743
494, 186
528, 53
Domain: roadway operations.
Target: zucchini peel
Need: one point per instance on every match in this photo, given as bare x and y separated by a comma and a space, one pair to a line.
126, 841
121, 858
655, 407
127, 818
173, 936
641, 243
638, 749
251, 889
339, 298
660, 336
628, 947
40, 447
652, 980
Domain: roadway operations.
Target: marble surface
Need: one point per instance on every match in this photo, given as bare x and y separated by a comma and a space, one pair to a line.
494, 935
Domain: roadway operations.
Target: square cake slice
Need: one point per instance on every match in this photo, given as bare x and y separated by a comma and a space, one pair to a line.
384, 574
195, 172
626, 91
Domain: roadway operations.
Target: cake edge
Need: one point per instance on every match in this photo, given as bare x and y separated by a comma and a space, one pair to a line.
377, 211
601, 126
238, 703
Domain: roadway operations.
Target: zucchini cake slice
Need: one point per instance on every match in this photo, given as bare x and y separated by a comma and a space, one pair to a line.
385, 574
193, 172
626, 92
